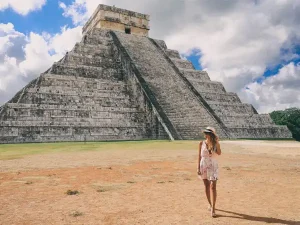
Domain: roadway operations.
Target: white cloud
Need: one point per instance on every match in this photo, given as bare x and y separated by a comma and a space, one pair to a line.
276, 92
22, 7
77, 11
64, 41
37, 57
33, 57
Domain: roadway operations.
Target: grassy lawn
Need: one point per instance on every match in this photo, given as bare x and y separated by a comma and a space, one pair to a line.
14, 151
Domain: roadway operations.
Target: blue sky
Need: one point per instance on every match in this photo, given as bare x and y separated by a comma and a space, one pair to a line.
49, 19
253, 49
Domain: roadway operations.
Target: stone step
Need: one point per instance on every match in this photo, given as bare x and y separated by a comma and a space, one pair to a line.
256, 120
197, 75
161, 43
76, 138
261, 132
95, 50
173, 54
57, 123
215, 98
90, 60
182, 63
71, 107
94, 93
86, 71
35, 134
230, 108
57, 99
94, 39
209, 86
79, 83
100, 32
67, 115
63, 78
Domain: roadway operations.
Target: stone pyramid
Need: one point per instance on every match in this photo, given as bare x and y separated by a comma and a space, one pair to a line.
119, 84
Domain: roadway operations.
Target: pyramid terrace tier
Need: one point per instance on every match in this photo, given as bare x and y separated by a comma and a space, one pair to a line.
222, 108
255, 120
93, 107
104, 122
195, 75
183, 64
262, 132
208, 86
60, 134
77, 115
61, 99
89, 60
171, 91
77, 83
95, 50
94, 39
173, 54
102, 72
215, 98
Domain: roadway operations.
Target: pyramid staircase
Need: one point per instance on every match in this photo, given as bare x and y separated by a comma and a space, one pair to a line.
83, 97
116, 86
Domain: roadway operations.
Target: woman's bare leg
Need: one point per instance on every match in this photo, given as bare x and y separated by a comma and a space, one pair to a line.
207, 190
213, 186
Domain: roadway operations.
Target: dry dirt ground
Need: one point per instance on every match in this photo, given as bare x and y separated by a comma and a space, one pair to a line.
259, 184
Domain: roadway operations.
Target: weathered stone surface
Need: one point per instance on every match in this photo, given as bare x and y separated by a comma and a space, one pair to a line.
116, 86
241, 120
82, 97
170, 90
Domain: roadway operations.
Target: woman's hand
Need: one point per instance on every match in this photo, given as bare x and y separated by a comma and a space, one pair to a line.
198, 172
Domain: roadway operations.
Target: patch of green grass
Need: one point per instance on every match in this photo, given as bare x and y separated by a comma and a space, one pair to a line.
14, 151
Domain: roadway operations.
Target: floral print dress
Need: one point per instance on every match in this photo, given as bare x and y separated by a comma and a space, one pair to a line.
208, 164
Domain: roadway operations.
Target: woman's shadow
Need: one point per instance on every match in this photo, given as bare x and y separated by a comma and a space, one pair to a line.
257, 218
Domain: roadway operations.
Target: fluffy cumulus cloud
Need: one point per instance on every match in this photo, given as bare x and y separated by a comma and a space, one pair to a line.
276, 92
77, 11
24, 57
22, 7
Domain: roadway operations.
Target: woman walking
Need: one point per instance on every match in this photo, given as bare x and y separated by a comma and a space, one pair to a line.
208, 165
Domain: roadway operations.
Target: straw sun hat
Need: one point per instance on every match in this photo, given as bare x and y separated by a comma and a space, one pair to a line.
210, 130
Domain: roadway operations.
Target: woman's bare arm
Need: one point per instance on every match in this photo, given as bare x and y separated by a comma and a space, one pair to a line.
199, 157
218, 149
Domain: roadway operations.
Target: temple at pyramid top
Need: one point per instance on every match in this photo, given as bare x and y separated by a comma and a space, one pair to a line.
117, 19
117, 83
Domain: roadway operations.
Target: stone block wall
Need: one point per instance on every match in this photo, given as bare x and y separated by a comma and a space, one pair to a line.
83, 97
241, 120
115, 86
112, 18
183, 109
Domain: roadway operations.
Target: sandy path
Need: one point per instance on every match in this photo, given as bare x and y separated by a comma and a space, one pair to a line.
259, 184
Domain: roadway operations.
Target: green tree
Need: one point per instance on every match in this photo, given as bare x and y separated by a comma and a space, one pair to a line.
289, 117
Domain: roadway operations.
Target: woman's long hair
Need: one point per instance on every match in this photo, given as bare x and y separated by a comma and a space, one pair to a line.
212, 142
